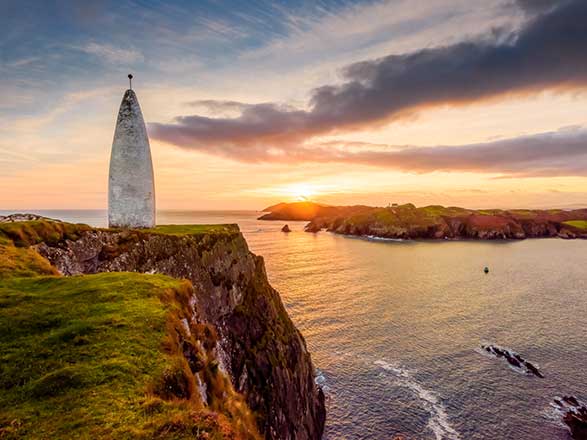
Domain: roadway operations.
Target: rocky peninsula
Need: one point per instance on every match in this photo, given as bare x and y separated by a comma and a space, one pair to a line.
170, 332
433, 222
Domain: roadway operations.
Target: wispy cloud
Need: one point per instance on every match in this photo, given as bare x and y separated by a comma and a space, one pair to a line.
111, 54
547, 53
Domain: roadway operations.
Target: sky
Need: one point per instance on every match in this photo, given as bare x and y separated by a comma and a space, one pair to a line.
475, 103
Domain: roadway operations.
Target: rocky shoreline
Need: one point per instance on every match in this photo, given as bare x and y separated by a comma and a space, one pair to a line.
434, 222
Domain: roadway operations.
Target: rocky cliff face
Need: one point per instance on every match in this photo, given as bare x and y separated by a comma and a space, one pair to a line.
438, 222
259, 347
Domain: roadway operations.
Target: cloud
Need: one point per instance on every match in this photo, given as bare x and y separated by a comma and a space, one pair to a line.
111, 54
217, 107
532, 7
558, 153
546, 53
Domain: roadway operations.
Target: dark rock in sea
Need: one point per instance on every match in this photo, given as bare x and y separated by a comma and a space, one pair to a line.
574, 415
532, 369
285, 229
312, 227
514, 359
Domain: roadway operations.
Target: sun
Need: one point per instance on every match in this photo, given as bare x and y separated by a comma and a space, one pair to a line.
301, 192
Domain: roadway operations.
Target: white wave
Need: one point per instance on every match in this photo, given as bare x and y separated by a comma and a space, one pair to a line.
439, 422
320, 380
376, 238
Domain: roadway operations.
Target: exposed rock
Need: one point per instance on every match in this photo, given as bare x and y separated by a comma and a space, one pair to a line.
513, 358
24, 218
574, 415
285, 228
312, 228
259, 347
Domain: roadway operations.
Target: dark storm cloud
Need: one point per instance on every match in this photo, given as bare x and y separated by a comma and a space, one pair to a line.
537, 6
548, 52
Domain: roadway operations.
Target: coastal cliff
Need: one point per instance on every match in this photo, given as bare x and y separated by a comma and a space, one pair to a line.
244, 363
435, 222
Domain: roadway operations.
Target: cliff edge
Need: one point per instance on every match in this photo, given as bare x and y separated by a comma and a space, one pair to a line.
226, 320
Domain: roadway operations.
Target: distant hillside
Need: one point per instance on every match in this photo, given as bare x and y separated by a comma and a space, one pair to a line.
307, 211
435, 221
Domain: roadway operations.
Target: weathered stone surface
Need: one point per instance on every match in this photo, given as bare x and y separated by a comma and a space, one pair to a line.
12, 218
259, 347
131, 186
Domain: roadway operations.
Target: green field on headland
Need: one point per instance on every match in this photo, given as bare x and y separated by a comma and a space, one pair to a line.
102, 356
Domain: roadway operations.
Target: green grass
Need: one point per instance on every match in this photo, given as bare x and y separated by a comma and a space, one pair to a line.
194, 229
100, 356
581, 224
78, 353
91, 357
37, 231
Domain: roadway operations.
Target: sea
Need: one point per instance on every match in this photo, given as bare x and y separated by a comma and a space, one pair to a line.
395, 327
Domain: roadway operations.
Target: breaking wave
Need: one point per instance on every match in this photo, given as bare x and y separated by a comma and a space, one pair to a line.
439, 422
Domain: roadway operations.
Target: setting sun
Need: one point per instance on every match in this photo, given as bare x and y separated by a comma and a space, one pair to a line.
300, 191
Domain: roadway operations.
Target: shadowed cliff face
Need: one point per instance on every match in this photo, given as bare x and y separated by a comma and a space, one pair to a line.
259, 347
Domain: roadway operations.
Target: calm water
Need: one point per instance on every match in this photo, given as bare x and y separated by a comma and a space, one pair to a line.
394, 327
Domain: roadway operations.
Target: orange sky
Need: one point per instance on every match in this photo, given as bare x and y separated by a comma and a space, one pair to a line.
55, 154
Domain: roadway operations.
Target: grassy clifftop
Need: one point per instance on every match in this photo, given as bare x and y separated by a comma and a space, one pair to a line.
110, 355
435, 221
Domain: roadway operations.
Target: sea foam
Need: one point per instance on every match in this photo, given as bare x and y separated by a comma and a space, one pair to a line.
439, 422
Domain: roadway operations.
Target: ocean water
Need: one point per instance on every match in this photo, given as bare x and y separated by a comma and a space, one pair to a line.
395, 327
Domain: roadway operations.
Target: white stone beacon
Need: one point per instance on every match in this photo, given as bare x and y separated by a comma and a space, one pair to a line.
131, 185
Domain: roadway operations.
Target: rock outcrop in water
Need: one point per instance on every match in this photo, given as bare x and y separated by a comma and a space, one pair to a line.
574, 415
513, 358
258, 346
434, 222
572, 412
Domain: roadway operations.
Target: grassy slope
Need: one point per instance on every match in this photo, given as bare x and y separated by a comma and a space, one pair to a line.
581, 224
97, 356
194, 229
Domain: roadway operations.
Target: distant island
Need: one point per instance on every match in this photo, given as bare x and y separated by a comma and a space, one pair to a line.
433, 222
